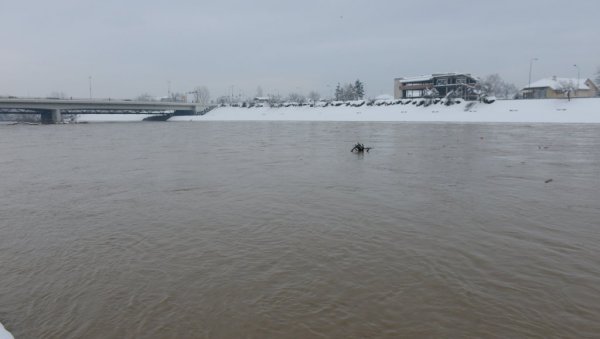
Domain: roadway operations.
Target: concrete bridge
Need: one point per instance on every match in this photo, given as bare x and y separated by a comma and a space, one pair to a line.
51, 110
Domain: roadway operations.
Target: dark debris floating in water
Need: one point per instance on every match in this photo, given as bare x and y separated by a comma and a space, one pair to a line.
360, 148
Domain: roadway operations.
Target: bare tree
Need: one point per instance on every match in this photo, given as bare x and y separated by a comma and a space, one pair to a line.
58, 95
430, 94
201, 95
145, 97
314, 96
296, 97
224, 100
567, 87
177, 97
259, 92
274, 100
493, 85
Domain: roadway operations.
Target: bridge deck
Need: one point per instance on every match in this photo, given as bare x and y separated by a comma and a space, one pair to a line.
95, 106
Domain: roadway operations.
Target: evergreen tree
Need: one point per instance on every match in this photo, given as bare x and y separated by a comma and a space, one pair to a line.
359, 89
348, 92
338, 92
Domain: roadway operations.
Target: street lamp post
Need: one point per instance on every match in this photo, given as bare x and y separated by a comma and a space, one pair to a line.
578, 75
530, 69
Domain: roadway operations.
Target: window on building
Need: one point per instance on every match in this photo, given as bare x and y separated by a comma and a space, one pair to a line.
441, 82
414, 93
461, 80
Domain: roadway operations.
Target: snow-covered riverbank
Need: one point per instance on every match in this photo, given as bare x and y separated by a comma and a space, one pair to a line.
4, 334
545, 111
112, 117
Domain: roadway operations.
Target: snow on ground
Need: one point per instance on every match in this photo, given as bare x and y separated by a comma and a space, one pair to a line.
4, 334
112, 117
584, 110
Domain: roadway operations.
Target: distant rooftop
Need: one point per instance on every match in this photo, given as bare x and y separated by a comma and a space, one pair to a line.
427, 77
558, 83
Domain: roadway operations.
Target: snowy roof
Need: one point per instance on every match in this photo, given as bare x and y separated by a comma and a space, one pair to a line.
558, 83
417, 78
428, 77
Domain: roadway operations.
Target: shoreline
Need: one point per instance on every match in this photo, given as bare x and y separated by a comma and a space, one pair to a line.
502, 111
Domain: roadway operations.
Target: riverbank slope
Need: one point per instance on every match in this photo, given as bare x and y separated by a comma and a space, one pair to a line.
543, 111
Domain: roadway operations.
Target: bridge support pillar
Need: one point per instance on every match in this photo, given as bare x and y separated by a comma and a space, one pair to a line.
56, 116
52, 116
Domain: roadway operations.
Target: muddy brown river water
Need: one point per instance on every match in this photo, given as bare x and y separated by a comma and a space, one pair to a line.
276, 230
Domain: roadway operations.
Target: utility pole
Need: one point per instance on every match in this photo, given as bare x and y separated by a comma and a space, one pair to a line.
530, 69
578, 75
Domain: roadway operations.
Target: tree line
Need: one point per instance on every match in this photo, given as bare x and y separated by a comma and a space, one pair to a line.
349, 91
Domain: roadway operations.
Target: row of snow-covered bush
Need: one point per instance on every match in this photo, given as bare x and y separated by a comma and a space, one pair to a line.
358, 103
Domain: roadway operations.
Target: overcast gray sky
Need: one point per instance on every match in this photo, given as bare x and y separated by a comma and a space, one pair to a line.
134, 46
